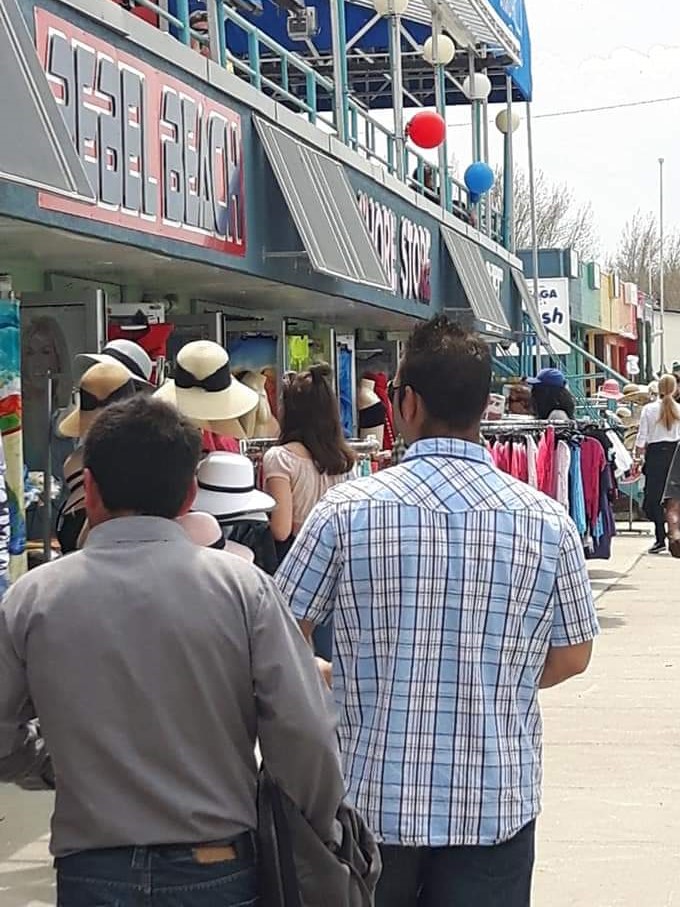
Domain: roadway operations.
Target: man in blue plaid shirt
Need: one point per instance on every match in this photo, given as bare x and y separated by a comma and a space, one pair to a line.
456, 593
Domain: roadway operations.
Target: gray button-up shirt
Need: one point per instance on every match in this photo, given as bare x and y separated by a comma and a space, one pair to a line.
153, 666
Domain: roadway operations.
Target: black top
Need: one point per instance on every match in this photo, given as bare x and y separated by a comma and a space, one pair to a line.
372, 416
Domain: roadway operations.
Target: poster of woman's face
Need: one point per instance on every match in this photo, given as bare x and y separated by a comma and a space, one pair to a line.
44, 350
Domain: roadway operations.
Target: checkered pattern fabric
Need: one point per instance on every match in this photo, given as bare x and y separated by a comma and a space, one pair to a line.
447, 582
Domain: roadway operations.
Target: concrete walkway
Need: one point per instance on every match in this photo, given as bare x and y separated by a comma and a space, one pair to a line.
610, 833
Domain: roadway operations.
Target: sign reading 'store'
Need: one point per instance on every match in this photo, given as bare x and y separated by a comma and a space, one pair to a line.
161, 157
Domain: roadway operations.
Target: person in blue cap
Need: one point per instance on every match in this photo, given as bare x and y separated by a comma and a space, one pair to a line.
551, 397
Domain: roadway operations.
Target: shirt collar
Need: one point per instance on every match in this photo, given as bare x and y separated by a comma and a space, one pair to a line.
135, 529
449, 447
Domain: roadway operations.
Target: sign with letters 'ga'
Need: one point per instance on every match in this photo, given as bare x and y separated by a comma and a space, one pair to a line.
160, 157
553, 304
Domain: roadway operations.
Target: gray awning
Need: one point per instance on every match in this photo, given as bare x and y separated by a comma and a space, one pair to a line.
324, 209
476, 282
530, 306
35, 146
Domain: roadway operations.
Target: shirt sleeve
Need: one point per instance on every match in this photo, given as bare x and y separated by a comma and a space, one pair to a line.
643, 432
574, 615
275, 464
23, 758
308, 578
296, 714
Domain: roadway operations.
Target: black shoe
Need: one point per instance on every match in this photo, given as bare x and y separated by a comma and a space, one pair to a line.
658, 548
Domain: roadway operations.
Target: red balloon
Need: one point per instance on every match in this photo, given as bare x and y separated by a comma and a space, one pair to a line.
427, 129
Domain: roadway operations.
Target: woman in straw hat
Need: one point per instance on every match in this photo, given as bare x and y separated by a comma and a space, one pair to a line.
657, 442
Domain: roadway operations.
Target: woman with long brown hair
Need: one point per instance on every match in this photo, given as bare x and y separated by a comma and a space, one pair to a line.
657, 442
312, 454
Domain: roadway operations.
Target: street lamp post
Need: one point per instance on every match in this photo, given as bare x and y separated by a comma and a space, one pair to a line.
393, 10
662, 297
440, 50
507, 123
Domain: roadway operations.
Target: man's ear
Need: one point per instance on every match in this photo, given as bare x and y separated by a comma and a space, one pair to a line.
92, 497
190, 498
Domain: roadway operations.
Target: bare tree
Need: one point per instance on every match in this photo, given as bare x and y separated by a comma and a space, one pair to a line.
638, 258
561, 221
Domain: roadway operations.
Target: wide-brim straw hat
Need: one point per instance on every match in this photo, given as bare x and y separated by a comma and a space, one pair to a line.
204, 388
127, 353
226, 487
635, 394
101, 385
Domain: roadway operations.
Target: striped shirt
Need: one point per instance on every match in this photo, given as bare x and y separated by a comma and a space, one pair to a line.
448, 581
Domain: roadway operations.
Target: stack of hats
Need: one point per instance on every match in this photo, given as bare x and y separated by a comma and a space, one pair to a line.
226, 488
128, 353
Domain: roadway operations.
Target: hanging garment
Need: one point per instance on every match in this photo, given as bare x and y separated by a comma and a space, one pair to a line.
593, 462
577, 500
532, 458
562, 465
518, 462
623, 459
380, 381
606, 527
4, 523
545, 465
213, 442
345, 391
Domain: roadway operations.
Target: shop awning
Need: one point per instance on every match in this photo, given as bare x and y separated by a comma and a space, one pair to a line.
35, 146
476, 282
324, 209
530, 306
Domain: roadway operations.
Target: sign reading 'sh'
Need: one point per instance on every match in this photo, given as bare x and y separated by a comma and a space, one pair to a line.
160, 157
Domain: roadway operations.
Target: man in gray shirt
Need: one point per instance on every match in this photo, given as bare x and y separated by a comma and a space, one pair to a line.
153, 666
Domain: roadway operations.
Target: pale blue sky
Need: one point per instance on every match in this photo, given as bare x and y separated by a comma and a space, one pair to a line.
590, 53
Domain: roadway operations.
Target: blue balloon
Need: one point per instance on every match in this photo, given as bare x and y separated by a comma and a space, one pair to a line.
479, 178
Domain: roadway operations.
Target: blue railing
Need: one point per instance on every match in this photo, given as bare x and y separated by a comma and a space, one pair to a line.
291, 80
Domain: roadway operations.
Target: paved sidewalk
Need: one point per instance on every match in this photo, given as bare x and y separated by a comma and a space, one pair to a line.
610, 833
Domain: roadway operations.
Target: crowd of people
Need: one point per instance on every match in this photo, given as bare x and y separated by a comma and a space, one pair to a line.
150, 674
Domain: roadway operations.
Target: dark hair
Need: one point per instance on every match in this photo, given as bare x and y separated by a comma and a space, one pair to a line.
547, 399
450, 368
311, 418
143, 456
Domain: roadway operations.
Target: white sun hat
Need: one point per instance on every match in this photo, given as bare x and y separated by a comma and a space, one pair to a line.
128, 353
226, 487
203, 387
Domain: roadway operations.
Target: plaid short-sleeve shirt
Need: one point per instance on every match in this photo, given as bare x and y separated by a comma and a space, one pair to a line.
447, 581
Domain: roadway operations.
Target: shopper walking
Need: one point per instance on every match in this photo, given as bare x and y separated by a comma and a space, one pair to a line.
457, 592
154, 665
656, 444
311, 456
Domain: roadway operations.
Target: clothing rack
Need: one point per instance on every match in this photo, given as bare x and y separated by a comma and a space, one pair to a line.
364, 449
517, 426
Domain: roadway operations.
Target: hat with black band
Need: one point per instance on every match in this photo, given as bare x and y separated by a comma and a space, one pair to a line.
203, 387
127, 353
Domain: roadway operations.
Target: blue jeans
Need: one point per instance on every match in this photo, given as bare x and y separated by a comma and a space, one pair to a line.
164, 876
497, 876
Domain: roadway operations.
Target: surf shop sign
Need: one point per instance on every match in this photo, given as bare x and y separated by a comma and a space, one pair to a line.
404, 247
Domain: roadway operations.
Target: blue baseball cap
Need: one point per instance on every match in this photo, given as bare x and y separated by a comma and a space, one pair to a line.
549, 377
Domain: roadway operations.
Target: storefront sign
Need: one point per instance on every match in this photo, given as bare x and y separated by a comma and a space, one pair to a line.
404, 248
553, 304
160, 157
